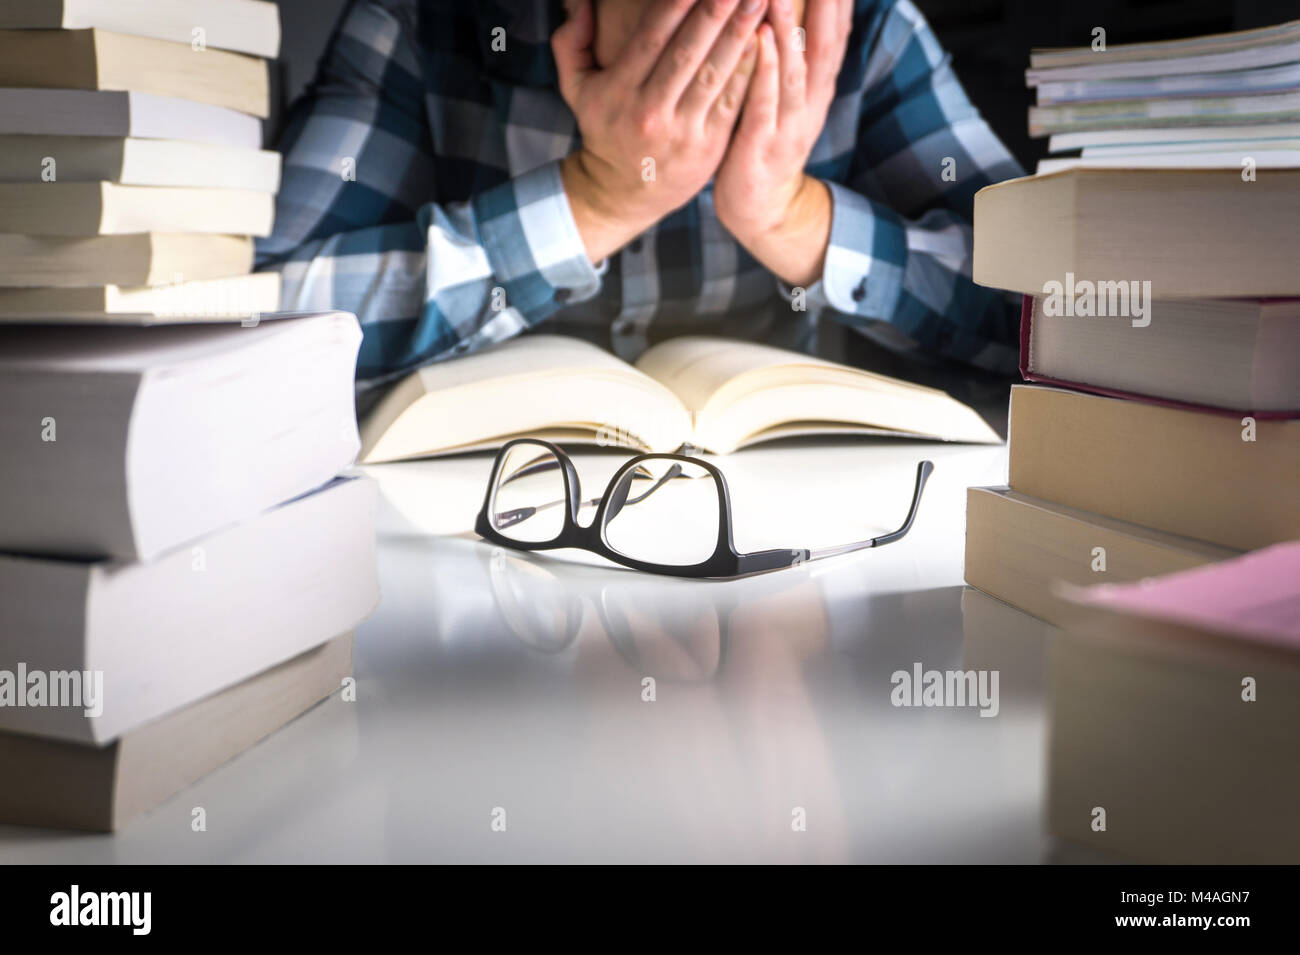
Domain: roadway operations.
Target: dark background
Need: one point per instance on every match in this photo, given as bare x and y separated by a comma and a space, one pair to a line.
989, 41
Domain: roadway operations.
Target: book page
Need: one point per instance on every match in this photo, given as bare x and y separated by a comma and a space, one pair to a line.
697, 368
529, 386
739, 391
528, 355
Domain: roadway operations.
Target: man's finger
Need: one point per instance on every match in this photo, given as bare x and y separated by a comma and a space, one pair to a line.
726, 108
828, 23
685, 55
575, 59
714, 77
654, 31
764, 98
789, 44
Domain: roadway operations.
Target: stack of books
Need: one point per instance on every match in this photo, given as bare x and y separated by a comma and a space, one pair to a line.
131, 175
1228, 100
181, 566
1155, 452
1161, 323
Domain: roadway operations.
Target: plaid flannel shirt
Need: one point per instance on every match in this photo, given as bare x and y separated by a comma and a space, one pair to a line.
422, 192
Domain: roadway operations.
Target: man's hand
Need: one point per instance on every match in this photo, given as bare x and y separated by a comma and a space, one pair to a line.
761, 193
656, 124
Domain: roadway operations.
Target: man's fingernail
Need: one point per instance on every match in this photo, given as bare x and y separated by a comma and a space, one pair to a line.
750, 6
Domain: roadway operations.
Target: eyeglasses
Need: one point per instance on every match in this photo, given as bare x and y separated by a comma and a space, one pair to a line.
660, 513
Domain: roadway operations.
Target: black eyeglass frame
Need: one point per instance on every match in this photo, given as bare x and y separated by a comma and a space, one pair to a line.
725, 561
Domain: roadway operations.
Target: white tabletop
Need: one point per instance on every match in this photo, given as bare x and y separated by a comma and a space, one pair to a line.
490, 681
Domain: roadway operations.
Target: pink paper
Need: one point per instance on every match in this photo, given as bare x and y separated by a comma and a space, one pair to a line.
1256, 596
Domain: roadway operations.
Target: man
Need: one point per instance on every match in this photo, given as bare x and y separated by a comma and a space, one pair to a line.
631, 169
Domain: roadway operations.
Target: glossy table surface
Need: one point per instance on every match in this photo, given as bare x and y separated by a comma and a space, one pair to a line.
555, 707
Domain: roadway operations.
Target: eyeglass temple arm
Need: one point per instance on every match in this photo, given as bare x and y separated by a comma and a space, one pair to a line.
775, 559
923, 472
518, 515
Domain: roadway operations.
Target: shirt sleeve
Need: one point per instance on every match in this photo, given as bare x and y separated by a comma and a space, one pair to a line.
358, 224
898, 267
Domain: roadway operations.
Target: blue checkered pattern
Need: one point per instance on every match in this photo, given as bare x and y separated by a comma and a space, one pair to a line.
422, 192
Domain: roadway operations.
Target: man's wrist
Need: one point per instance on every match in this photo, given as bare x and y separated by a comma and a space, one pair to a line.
785, 212
605, 224
793, 240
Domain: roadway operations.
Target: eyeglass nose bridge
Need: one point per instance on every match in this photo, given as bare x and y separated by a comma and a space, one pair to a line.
618, 495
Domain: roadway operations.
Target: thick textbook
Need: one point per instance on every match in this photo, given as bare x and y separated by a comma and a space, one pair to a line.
139, 771
710, 393
137, 259
46, 112
109, 208
126, 442
1240, 355
246, 26
1020, 549
1218, 478
137, 162
149, 638
210, 300
100, 60
1190, 233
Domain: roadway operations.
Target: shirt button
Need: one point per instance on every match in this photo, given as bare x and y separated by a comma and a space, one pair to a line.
562, 295
860, 292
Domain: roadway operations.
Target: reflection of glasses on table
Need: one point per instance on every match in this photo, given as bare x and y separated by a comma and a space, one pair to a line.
661, 513
675, 636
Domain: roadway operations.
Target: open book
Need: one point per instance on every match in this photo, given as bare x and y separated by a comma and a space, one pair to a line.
711, 393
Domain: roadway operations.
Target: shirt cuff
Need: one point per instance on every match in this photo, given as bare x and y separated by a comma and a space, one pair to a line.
866, 257
532, 243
